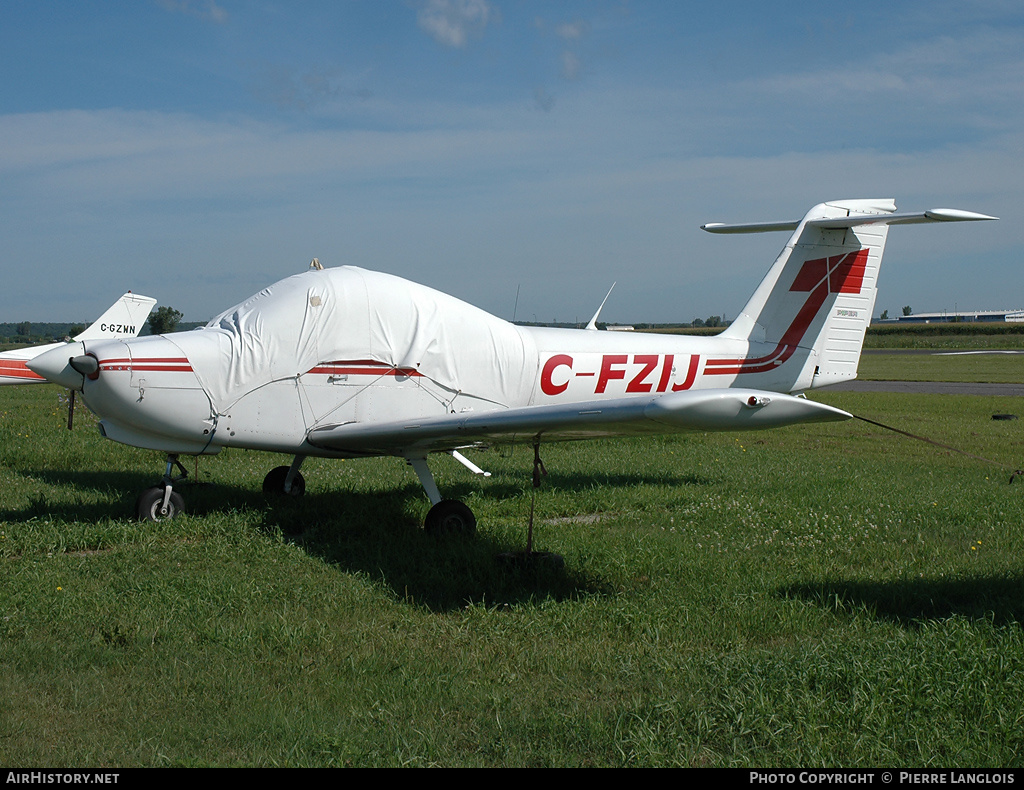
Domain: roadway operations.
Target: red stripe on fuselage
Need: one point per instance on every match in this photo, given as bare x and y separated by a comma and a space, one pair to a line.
361, 367
167, 364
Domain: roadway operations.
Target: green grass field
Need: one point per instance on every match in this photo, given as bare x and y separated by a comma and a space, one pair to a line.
991, 367
831, 595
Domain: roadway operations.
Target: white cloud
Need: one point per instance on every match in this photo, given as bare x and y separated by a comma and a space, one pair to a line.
204, 9
471, 200
572, 31
986, 64
570, 65
453, 22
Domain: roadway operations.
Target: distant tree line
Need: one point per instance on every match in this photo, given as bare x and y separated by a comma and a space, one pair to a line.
160, 322
27, 331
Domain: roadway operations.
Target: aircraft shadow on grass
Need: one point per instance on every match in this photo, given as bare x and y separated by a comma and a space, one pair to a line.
99, 482
377, 534
912, 602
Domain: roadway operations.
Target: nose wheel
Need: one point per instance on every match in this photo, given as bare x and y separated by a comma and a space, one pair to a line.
162, 502
150, 506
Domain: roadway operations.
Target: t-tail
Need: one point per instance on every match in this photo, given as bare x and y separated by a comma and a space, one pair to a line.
804, 326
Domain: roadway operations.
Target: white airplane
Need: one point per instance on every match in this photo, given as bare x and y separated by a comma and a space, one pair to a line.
348, 363
124, 318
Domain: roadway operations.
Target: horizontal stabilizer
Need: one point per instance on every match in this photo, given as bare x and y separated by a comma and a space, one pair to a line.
933, 215
836, 223
749, 227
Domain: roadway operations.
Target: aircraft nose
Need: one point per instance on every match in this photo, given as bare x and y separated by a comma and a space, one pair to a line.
67, 365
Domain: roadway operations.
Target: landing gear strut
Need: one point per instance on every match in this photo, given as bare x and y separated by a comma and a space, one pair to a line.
162, 502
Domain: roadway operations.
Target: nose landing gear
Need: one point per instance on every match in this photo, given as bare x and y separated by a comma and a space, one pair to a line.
162, 502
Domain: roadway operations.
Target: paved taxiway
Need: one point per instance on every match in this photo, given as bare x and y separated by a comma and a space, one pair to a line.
933, 387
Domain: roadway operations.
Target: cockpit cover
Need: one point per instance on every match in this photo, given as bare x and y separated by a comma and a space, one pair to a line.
349, 314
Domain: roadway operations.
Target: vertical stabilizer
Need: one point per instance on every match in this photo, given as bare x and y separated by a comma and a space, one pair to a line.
124, 318
806, 321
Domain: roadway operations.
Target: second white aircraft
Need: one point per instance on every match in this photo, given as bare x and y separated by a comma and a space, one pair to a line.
124, 318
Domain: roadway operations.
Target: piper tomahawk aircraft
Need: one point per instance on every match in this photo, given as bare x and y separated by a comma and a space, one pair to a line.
124, 318
348, 363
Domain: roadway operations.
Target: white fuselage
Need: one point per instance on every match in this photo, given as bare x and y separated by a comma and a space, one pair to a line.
149, 391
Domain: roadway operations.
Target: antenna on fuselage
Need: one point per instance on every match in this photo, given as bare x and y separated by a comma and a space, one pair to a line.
593, 321
315, 264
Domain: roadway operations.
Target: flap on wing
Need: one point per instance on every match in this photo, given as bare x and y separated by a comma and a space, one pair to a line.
693, 410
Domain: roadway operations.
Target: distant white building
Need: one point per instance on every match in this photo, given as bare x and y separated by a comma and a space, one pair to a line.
998, 316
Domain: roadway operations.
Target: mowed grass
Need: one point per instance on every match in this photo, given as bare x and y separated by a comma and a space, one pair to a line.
992, 366
829, 595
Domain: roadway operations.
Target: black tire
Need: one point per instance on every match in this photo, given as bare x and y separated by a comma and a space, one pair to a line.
273, 483
150, 502
450, 517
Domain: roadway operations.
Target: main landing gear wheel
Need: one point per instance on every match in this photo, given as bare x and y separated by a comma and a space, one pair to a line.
273, 483
150, 505
450, 517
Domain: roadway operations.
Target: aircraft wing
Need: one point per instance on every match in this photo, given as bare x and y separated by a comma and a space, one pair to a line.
692, 410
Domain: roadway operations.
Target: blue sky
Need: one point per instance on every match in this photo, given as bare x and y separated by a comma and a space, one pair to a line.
198, 150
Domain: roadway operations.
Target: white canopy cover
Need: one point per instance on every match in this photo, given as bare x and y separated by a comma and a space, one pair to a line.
349, 314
